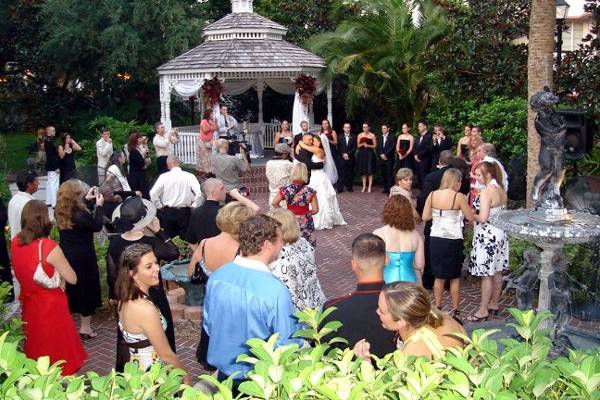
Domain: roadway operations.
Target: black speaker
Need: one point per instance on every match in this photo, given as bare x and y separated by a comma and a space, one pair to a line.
580, 137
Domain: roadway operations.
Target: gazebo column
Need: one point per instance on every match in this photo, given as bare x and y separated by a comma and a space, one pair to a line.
165, 103
329, 103
260, 87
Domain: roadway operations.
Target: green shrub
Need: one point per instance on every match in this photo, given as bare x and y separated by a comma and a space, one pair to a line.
521, 370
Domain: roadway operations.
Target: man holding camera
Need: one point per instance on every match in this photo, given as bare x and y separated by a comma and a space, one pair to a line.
226, 167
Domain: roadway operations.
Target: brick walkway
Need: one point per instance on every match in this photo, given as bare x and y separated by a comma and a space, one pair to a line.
362, 212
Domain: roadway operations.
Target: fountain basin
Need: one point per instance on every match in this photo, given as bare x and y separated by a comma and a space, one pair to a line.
178, 272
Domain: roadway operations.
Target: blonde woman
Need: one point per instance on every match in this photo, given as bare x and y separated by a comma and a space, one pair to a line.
446, 208
295, 266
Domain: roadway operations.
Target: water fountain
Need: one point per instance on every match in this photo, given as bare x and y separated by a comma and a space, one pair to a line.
549, 224
178, 272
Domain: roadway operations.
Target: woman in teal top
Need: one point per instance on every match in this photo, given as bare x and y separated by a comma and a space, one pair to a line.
404, 245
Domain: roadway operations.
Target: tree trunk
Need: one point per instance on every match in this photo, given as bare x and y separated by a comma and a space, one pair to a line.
539, 74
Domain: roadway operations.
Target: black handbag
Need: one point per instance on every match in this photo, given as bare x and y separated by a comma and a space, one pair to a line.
199, 277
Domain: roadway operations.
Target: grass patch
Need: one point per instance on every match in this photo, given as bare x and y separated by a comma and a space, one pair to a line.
16, 153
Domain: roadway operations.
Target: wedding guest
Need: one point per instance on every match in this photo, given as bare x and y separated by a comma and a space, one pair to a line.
163, 146
285, 135
77, 225
447, 208
423, 152
278, 170
404, 148
489, 254
296, 266
67, 157
476, 158
441, 142
356, 310
424, 330
174, 194
135, 221
48, 326
464, 169
104, 150
462, 149
386, 146
333, 139
226, 124
115, 187
141, 323
52, 167
488, 152
347, 150
365, 159
5, 270
403, 187
403, 243
27, 183
203, 221
301, 200
137, 178
204, 143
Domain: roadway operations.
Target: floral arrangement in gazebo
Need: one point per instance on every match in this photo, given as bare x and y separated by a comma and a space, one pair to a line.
212, 90
306, 86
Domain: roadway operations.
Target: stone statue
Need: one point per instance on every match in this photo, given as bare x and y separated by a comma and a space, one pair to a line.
525, 279
552, 129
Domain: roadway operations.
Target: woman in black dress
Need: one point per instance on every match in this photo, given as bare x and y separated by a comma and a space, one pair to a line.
66, 155
5, 270
366, 143
138, 181
135, 221
76, 225
404, 149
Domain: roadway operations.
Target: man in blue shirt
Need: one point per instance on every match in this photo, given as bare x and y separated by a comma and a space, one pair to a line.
244, 300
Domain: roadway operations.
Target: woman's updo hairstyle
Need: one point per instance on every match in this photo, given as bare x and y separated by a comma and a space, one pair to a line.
412, 304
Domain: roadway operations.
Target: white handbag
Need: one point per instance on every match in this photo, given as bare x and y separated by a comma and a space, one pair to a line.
40, 277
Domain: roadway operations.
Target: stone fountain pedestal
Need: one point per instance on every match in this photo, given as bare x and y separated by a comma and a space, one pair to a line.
179, 309
185, 298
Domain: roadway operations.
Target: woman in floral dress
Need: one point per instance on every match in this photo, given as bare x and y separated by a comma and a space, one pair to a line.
301, 200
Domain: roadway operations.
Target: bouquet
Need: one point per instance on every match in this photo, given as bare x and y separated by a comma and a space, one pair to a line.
306, 86
212, 89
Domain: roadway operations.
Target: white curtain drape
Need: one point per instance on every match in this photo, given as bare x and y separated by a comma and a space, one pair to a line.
234, 88
187, 88
299, 114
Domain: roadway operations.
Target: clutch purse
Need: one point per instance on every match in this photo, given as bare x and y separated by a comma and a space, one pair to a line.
41, 278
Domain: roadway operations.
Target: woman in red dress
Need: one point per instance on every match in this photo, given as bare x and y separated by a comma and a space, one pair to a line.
49, 329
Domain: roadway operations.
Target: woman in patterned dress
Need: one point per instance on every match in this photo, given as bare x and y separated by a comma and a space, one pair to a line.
301, 200
489, 255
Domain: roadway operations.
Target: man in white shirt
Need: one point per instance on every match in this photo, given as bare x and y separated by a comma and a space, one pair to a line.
227, 125
162, 144
174, 194
27, 182
104, 150
488, 150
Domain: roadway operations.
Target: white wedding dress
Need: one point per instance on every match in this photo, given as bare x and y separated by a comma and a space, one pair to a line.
329, 210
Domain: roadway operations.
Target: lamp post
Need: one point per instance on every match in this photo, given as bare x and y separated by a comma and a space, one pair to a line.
562, 9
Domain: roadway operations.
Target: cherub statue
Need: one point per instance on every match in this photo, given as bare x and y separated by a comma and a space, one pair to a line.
552, 129
525, 279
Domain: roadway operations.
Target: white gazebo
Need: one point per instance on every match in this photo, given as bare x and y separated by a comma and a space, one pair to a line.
245, 51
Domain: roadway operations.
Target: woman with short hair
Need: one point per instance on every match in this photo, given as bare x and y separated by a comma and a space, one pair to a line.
42, 270
141, 323
424, 330
295, 266
301, 200
77, 225
447, 208
403, 243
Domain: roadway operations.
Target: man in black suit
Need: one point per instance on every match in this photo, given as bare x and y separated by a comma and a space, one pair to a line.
432, 182
386, 148
305, 156
423, 152
441, 142
304, 131
346, 149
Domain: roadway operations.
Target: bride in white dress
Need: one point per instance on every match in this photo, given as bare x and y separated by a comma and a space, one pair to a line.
329, 210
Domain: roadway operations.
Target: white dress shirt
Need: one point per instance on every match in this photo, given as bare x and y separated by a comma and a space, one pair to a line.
15, 208
162, 144
225, 125
176, 189
104, 151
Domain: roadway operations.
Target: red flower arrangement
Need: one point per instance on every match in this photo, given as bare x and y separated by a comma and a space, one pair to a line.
306, 86
212, 89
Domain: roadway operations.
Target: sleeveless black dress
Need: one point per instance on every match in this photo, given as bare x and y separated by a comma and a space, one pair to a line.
365, 160
408, 162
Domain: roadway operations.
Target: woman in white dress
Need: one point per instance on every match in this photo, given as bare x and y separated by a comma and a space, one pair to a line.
329, 210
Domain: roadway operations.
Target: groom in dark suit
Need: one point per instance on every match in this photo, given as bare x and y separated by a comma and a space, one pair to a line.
346, 149
386, 149
305, 156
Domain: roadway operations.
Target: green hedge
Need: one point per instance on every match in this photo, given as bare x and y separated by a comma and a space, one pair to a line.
522, 370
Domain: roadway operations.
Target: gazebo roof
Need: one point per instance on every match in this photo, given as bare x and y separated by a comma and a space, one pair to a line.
240, 54
246, 42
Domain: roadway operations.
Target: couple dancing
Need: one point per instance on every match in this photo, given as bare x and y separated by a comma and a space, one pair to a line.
315, 153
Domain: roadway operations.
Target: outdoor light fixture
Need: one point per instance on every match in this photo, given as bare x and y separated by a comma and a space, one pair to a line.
562, 9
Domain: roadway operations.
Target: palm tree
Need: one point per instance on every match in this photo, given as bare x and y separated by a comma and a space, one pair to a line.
539, 74
383, 54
